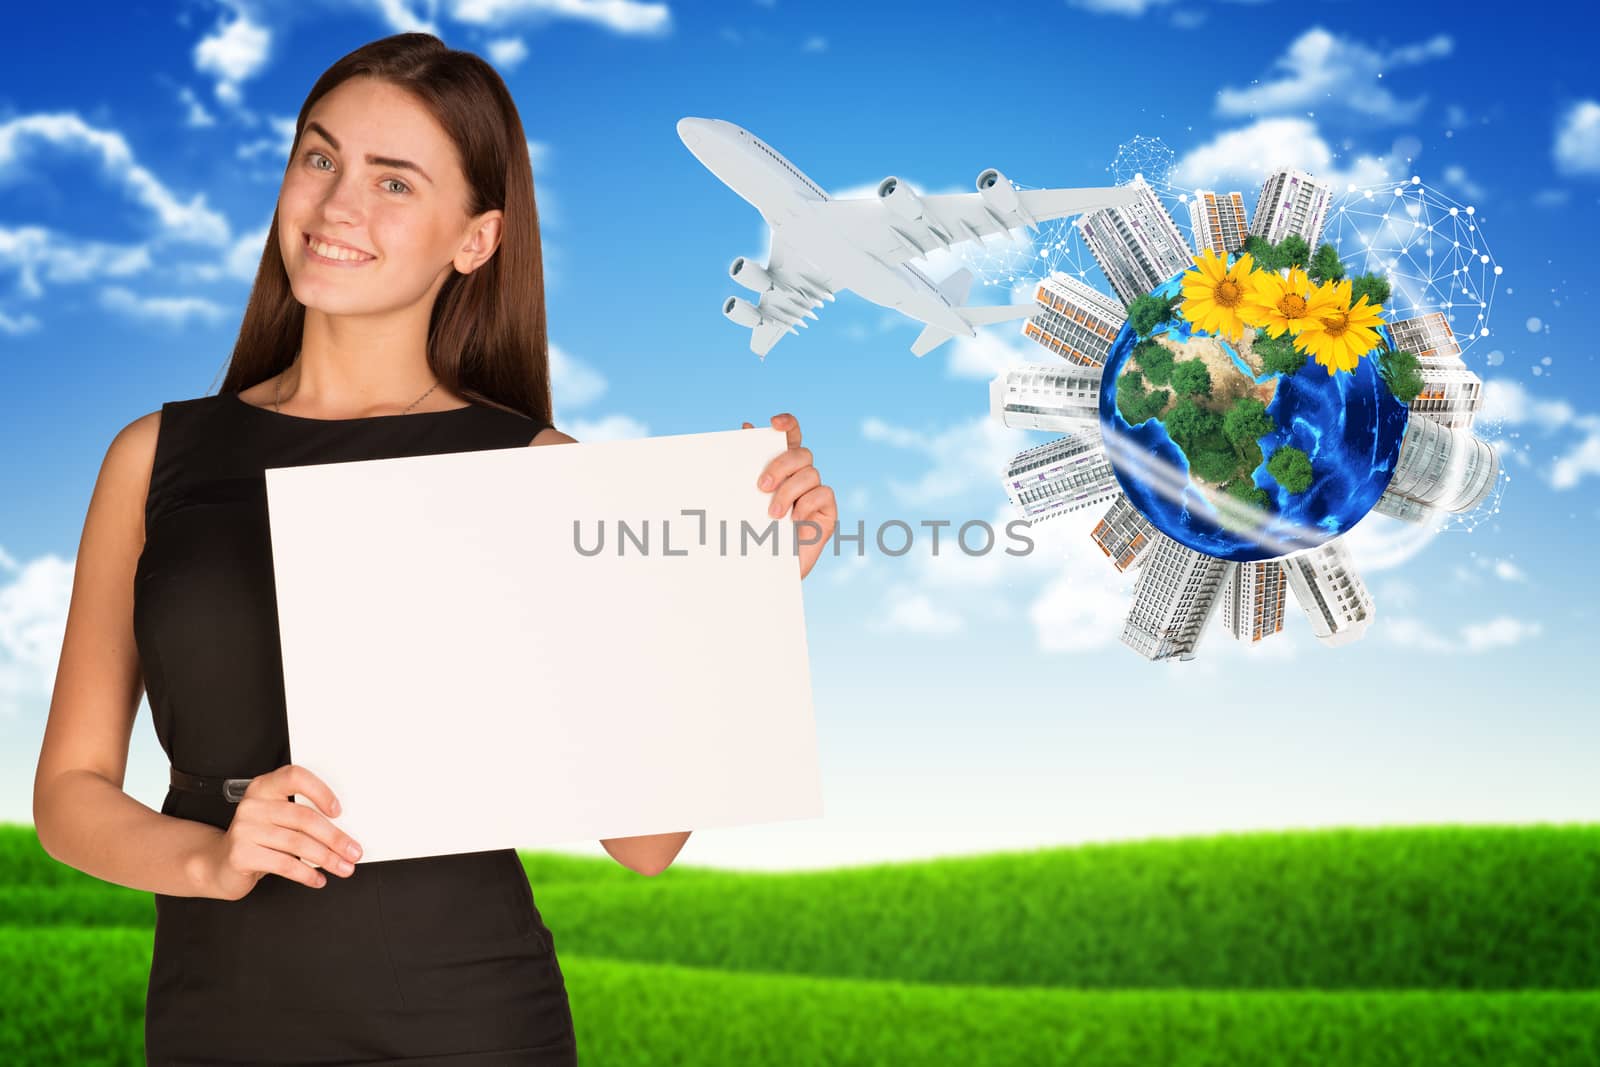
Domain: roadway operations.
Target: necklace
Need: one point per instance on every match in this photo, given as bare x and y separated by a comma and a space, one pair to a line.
277, 392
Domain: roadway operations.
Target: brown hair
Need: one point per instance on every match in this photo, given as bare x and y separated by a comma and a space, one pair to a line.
486, 336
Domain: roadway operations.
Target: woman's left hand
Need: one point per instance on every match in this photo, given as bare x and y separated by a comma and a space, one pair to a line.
794, 481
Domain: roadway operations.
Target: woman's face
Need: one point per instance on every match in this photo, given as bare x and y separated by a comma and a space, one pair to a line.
375, 176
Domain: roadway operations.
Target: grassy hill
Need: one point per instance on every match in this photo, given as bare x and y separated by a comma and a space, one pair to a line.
1458, 945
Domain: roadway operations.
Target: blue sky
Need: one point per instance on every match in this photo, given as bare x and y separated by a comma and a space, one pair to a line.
962, 704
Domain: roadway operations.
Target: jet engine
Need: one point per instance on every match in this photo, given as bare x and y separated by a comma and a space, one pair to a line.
742, 311
750, 275
900, 199
997, 192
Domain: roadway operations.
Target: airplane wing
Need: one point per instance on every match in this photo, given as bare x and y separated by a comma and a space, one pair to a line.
953, 218
798, 286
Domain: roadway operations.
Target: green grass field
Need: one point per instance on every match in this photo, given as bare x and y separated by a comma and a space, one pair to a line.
1439, 945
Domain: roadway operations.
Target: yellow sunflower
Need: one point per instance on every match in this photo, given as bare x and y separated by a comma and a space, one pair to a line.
1341, 333
1214, 294
1279, 304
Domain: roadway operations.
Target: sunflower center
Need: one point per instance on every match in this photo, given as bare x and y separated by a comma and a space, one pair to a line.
1335, 325
1229, 293
1293, 306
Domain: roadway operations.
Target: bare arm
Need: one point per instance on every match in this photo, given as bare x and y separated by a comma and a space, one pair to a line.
80, 811
646, 853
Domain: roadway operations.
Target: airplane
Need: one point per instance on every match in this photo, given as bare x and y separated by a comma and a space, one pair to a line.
821, 245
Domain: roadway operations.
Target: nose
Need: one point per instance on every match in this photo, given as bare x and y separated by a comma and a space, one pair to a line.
692, 130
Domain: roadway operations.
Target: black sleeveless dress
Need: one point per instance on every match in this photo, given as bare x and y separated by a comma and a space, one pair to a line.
440, 960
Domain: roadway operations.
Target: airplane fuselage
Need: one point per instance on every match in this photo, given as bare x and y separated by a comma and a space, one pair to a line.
788, 200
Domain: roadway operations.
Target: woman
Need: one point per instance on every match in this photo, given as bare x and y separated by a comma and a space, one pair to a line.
398, 310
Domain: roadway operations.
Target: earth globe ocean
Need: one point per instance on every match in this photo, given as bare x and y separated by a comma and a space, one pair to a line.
1348, 424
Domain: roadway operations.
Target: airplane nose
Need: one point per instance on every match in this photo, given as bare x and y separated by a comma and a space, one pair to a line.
691, 130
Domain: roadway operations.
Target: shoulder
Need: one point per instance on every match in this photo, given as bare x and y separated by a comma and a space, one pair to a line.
124, 480
551, 436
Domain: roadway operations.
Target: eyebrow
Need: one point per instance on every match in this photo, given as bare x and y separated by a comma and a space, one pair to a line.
376, 161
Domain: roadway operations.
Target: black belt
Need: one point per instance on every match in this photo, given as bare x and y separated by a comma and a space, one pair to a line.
230, 789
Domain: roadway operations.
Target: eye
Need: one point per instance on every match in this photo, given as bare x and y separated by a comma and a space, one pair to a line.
314, 152
403, 186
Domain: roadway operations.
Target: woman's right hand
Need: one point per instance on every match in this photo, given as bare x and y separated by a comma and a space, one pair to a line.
271, 834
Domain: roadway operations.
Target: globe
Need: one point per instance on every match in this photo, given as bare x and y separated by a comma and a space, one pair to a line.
1242, 462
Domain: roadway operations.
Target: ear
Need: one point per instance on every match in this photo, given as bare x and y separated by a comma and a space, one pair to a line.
482, 240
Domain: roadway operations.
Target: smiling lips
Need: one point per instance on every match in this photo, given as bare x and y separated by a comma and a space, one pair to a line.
330, 252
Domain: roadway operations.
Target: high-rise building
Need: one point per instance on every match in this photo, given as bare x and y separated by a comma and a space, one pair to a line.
1428, 337
1137, 246
1449, 469
1451, 393
1124, 534
1403, 507
1059, 476
1173, 599
1217, 221
1046, 396
1328, 589
1291, 201
1076, 321
1252, 601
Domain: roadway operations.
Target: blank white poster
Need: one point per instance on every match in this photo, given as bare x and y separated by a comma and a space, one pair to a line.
467, 673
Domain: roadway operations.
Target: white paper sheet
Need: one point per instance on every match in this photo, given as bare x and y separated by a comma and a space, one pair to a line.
464, 679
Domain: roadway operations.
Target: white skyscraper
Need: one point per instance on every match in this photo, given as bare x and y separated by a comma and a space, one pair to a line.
1217, 221
1138, 246
1124, 534
1451, 394
1047, 396
1428, 337
1291, 201
1328, 589
1059, 476
1252, 601
1076, 321
1177, 591
1444, 468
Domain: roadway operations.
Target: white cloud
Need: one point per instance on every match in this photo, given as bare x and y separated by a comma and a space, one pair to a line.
39, 255
619, 16
969, 455
1508, 402
188, 221
1583, 459
278, 145
507, 52
1242, 157
573, 382
1456, 176
1128, 8
17, 325
401, 19
990, 353
1324, 71
173, 310
1551, 197
607, 428
1501, 632
195, 113
233, 53
1505, 570
33, 620
910, 610
1381, 543
815, 44
1577, 143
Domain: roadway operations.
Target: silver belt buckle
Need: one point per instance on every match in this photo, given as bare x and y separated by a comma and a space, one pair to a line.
233, 788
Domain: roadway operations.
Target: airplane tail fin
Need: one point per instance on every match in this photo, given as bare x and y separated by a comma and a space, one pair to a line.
932, 336
956, 287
